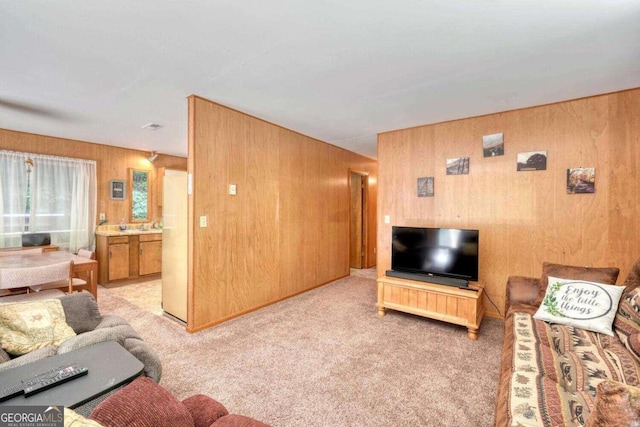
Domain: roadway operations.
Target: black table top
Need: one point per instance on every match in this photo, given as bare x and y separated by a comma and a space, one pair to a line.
109, 364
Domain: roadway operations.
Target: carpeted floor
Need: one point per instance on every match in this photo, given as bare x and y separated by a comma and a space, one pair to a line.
324, 358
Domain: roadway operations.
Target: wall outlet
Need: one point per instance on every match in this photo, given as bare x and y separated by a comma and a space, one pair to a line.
203, 221
103, 217
232, 189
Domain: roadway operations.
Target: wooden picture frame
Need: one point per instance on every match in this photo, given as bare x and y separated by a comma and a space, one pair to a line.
117, 189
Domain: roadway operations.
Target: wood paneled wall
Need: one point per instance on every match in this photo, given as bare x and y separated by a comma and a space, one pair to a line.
111, 163
287, 229
524, 218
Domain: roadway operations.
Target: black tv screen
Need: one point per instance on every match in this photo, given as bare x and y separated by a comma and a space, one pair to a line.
447, 252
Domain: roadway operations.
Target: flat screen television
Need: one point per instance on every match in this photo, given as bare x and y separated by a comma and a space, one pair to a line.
431, 253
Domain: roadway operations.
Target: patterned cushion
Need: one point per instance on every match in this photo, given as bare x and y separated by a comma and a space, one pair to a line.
586, 305
555, 370
627, 320
27, 326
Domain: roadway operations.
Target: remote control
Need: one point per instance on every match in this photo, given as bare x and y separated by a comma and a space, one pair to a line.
46, 381
11, 392
37, 378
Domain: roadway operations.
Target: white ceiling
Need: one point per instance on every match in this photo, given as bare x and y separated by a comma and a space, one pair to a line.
337, 70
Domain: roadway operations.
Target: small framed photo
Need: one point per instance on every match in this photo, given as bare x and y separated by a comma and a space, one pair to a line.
459, 166
532, 161
425, 186
493, 145
117, 189
581, 180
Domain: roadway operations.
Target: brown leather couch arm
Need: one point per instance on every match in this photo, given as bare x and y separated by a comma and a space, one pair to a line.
521, 289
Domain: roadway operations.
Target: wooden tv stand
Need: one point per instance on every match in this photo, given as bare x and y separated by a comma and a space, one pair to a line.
442, 302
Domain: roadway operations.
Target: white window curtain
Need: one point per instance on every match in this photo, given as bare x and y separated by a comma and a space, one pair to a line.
63, 197
13, 198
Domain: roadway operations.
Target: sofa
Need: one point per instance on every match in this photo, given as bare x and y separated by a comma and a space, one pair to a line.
144, 403
555, 374
81, 325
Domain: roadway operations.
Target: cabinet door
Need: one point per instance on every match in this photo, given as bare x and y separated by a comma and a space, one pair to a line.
150, 257
118, 261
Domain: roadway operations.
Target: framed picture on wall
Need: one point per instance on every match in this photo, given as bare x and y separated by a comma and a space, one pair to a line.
425, 186
581, 180
493, 145
117, 189
532, 161
458, 166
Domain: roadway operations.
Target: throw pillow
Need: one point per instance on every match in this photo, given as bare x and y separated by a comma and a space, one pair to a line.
81, 311
627, 320
616, 405
606, 275
585, 305
28, 326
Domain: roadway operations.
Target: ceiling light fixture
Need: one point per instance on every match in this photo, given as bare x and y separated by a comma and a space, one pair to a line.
152, 158
152, 126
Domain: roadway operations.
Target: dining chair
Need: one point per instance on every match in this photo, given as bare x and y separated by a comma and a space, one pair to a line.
85, 275
58, 276
85, 253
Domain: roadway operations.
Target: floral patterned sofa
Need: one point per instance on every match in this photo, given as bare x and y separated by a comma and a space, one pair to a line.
552, 373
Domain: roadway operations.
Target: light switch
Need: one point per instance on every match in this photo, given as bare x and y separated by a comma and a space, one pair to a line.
387, 219
203, 221
232, 189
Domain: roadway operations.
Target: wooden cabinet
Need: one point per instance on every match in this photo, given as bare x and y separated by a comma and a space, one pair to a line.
447, 303
118, 258
128, 257
150, 254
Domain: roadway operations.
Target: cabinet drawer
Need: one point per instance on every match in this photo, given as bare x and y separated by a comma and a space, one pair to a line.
118, 239
150, 237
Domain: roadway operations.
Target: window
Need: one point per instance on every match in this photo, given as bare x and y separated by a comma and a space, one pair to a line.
49, 194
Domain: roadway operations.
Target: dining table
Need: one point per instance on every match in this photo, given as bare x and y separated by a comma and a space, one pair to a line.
14, 269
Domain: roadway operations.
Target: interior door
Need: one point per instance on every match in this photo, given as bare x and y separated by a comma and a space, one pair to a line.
356, 249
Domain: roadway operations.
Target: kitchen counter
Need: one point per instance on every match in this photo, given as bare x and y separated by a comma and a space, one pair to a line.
132, 230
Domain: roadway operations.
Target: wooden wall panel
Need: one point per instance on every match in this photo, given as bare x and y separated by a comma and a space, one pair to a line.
287, 229
524, 218
111, 163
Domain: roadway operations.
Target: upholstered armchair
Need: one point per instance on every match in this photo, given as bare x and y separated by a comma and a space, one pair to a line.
144, 403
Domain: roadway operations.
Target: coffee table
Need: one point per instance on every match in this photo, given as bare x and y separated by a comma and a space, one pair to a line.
110, 366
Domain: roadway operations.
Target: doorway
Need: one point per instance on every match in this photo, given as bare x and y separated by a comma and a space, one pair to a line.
358, 223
